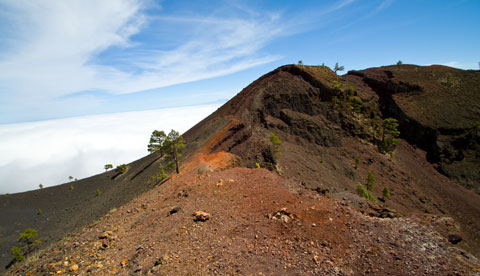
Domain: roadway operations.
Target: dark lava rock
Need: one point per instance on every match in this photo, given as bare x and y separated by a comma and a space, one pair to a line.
454, 238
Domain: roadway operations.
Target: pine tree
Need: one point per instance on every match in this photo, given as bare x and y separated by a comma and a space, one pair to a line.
156, 141
338, 68
173, 146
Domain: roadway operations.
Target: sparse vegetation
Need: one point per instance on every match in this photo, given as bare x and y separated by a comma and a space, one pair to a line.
371, 181
66, 239
157, 139
98, 192
39, 212
173, 146
390, 133
300, 62
108, 167
28, 238
40, 186
364, 193
70, 178
258, 165
121, 168
386, 193
399, 62
277, 145
163, 175
357, 161
337, 85
338, 68
71, 187
17, 252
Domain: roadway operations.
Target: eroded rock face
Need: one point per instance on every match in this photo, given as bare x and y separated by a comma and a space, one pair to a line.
438, 109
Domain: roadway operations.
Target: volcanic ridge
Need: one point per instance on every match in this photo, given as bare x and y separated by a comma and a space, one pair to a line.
293, 176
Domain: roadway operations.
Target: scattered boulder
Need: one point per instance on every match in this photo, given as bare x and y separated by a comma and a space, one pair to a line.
454, 238
282, 215
201, 216
173, 210
74, 267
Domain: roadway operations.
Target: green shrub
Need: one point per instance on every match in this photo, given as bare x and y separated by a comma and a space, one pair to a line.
17, 252
163, 175
357, 161
357, 105
40, 186
386, 192
28, 237
277, 144
390, 133
258, 165
350, 91
121, 168
337, 85
71, 187
370, 181
39, 212
97, 191
364, 193
108, 167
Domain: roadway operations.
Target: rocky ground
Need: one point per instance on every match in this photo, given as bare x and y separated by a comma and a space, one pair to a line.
224, 216
254, 223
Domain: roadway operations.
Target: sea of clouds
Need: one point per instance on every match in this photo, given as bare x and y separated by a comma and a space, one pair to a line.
48, 152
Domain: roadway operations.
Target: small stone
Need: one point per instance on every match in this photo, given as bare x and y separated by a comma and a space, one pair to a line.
106, 235
316, 259
74, 267
124, 262
104, 243
174, 210
314, 225
201, 216
220, 182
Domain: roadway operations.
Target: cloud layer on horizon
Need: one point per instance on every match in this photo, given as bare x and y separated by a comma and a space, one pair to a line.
47, 152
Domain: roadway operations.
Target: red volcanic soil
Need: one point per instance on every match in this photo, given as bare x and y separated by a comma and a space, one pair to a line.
259, 224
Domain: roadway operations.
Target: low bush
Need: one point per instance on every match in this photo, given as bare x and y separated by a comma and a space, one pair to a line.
121, 168
386, 192
364, 193
370, 181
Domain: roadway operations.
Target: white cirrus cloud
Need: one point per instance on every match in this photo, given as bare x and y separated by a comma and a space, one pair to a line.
54, 48
49, 151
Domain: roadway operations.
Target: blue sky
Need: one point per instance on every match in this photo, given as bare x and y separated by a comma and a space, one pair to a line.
70, 58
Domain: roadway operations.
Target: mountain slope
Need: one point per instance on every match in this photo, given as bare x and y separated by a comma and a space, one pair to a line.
326, 123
